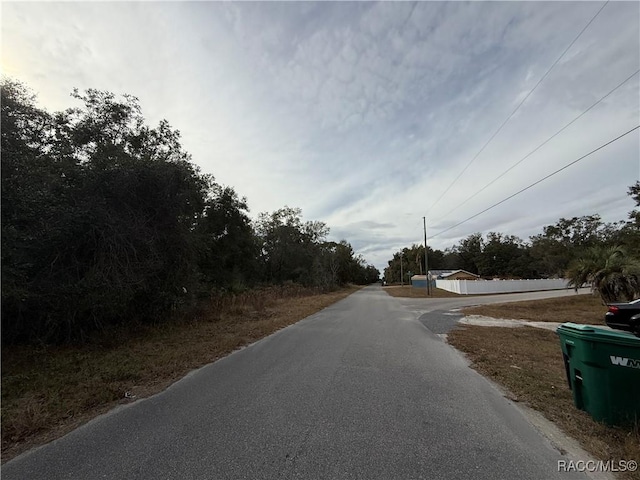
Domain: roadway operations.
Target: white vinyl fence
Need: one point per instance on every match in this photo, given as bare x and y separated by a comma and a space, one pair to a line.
471, 287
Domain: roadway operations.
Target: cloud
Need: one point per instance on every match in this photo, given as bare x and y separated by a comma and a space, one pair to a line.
363, 113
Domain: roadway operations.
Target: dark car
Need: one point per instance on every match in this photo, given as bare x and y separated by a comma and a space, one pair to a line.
624, 316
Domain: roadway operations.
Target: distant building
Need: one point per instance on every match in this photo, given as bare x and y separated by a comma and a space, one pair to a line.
420, 281
452, 275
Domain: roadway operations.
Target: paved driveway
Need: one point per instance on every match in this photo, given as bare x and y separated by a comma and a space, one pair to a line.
440, 315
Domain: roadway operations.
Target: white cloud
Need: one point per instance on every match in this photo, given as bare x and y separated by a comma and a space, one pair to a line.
363, 113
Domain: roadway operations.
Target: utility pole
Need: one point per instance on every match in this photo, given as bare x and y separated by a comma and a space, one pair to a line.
401, 274
426, 264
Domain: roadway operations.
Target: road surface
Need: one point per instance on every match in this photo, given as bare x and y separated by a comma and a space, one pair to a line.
360, 390
439, 314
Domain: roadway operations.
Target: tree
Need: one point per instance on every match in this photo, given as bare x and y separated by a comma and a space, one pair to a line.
436, 259
98, 217
469, 251
401, 263
337, 264
228, 247
629, 233
347, 265
634, 215
413, 261
288, 246
564, 241
550, 256
371, 274
546, 255
106, 220
505, 256
585, 231
451, 259
30, 187
326, 266
611, 272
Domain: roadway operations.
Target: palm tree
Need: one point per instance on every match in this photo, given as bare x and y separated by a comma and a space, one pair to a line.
610, 270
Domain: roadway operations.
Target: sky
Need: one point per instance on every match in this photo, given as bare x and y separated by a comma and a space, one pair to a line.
368, 116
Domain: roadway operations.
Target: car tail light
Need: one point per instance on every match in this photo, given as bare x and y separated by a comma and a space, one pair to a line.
613, 309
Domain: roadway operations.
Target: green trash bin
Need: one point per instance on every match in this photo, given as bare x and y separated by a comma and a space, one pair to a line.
603, 371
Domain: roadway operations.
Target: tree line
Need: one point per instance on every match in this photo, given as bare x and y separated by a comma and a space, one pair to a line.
106, 221
582, 249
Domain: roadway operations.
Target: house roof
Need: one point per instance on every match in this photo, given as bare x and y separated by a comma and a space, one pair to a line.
437, 273
447, 273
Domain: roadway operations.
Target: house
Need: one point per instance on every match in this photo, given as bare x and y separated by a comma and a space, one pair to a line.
452, 275
419, 281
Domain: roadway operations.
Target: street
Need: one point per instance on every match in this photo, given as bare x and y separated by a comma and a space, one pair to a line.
361, 389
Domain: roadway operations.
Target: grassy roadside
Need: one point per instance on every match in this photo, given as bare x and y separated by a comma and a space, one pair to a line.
47, 392
528, 363
587, 309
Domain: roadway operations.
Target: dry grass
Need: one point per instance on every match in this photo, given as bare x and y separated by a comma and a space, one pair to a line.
47, 392
407, 291
587, 309
528, 362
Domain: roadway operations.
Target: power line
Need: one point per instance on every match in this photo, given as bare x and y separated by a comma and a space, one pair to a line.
518, 107
535, 183
539, 146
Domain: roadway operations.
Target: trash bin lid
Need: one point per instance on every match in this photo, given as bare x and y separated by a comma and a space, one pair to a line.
595, 334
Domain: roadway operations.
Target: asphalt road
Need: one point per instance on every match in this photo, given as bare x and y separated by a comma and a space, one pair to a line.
440, 315
359, 390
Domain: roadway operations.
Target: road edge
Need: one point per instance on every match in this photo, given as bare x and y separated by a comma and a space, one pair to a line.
560, 441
